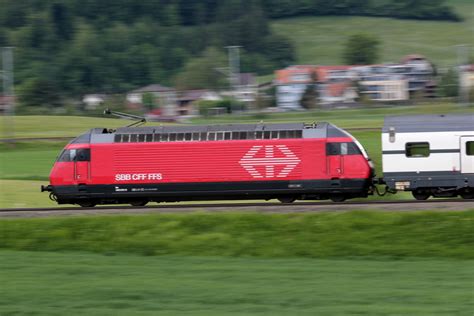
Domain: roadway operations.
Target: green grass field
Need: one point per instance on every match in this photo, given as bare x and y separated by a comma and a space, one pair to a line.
320, 40
35, 283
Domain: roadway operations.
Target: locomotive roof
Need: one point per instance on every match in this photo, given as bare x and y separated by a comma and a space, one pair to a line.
209, 128
325, 129
319, 130
429, 123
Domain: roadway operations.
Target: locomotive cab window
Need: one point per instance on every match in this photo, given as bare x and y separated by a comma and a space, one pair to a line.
83, 154
68, 155
417, 150
470, 148
343, 149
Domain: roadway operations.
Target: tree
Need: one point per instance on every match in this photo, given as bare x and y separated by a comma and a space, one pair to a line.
39, 92
361, 49
310, 97
203, 72
449, 83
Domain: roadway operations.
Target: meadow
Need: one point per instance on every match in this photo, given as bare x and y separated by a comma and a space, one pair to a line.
45, 283
355, 263
321, 40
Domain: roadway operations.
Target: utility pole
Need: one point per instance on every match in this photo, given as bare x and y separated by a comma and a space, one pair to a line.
234, 67
462, 54
8, 92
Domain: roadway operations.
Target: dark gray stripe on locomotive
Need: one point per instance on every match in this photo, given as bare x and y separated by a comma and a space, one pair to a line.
357, 187
430, 179
432, 151
429, 123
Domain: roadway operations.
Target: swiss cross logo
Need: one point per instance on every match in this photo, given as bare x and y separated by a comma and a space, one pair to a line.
269, 161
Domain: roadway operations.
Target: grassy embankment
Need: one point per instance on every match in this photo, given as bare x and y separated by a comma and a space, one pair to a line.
326, 235
320, 40
21, 165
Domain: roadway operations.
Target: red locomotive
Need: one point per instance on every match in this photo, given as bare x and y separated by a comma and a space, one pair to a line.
137, 165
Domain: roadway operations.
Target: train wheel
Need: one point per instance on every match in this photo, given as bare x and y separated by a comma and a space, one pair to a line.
467, 195
420, 195
139, 203
338, 198
87, 204
286, 199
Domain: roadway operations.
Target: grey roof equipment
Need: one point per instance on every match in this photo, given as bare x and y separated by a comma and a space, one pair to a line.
429, 123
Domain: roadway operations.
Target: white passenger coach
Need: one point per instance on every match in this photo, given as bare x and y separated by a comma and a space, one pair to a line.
429, 155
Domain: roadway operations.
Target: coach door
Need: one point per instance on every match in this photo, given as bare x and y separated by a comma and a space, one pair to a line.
335, 160
82, 166
467, 154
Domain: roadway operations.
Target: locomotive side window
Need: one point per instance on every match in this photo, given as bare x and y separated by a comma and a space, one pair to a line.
470, 148
417, 150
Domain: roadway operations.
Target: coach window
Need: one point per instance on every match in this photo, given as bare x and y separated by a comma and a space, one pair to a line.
180, 136
267, 134
470, 148
149, 137
211, 136
417, 150
219, 135
133, 138
259, 135
172, 137
141, 138
157, 137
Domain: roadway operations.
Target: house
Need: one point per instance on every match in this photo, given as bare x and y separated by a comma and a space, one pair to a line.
187, 100
383, 83
291, 84
162, 97
244, 90
420, 73
466, 79
6, 103
93, 101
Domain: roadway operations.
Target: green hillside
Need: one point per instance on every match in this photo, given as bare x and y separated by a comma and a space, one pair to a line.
320, 40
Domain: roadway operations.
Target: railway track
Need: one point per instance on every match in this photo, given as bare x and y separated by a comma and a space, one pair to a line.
269, 207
